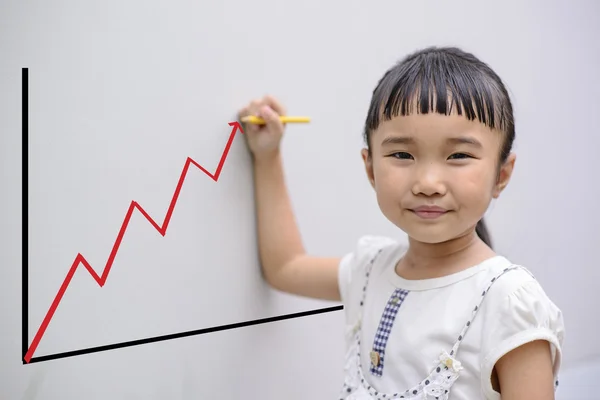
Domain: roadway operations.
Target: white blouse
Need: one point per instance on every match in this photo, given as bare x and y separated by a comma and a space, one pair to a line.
436, 338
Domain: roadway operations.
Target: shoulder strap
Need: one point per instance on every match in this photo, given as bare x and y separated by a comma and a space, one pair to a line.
479, 301
365, 282
368, 274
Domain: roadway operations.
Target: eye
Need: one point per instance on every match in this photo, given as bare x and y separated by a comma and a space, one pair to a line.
401, 155
459, 156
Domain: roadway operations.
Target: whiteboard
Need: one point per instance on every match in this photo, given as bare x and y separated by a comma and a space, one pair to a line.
123, 96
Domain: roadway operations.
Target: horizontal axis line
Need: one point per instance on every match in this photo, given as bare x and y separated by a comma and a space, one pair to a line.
180, 335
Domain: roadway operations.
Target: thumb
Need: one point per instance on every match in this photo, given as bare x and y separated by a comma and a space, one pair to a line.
272, 119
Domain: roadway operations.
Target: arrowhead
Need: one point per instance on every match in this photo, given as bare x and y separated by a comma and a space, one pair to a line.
236, 125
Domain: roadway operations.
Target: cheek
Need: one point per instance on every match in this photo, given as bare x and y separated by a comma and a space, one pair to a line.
391, 182
474, 185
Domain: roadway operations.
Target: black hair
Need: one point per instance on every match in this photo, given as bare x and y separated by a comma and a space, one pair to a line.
439, 79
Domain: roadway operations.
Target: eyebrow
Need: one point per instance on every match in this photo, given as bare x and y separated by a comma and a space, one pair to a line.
409, 140
465, 140
397, 140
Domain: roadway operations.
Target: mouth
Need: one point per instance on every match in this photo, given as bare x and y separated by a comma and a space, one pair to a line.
429, 212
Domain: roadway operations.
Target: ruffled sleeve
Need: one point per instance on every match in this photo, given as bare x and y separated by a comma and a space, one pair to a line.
519, 312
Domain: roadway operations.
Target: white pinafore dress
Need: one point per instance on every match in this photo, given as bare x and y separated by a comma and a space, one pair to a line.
436, 385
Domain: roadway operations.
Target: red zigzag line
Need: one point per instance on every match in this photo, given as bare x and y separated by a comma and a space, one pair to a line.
101, 280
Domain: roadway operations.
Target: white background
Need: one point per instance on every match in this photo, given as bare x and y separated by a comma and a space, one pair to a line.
121, 93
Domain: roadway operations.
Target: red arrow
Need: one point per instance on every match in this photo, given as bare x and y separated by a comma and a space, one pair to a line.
101, 280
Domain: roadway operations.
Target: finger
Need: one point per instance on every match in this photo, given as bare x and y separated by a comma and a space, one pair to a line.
253, 109
274, 104
242, 112
254, 106
271, 117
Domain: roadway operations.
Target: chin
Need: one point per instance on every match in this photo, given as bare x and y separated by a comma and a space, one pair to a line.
429, 238
427, 234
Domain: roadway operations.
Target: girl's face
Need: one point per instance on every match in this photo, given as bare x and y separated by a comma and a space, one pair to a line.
435, 175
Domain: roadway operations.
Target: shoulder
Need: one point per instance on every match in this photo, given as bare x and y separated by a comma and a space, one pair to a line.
516, 310
366, 248
514, 293
369, 252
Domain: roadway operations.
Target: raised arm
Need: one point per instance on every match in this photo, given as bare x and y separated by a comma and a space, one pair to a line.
284, 261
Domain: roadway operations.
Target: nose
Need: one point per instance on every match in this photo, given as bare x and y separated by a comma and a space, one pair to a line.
428, 181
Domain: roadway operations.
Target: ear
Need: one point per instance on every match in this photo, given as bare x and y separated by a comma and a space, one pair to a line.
504, 175
368, 166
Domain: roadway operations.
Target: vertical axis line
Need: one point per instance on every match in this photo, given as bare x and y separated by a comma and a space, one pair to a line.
25, 212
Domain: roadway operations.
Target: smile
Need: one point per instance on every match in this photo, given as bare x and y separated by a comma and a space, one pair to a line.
429, 212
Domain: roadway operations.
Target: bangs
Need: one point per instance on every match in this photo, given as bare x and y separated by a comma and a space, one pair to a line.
441, 82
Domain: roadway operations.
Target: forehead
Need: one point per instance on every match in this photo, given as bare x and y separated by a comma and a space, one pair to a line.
434, 129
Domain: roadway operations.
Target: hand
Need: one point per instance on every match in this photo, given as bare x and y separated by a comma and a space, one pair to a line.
264, 140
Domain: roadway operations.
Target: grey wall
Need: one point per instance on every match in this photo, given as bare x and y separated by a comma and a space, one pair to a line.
121, 93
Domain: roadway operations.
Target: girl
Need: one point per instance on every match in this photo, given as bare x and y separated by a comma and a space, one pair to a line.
443, 317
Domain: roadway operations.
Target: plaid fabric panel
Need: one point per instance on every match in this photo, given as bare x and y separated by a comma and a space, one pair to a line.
384, 330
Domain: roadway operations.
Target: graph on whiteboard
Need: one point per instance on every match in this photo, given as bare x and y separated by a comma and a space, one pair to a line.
80, 263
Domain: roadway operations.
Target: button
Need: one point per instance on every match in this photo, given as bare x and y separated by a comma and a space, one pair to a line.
375, 358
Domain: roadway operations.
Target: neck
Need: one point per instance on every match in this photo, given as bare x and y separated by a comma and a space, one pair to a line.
424, 260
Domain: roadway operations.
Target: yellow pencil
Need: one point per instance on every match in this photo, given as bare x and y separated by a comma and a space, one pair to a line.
285, 119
